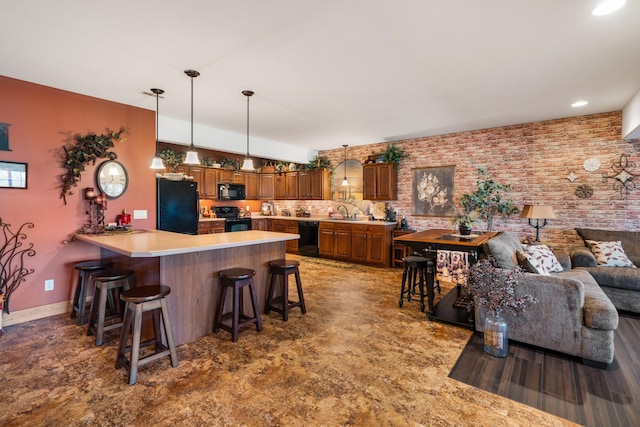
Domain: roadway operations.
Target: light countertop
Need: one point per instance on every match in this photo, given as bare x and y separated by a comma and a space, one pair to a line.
324, 218
154, 243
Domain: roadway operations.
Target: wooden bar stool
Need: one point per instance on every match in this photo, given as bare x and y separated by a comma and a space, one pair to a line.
282, 304
140, 300
237, 279
84, 269
414, 274
106, 283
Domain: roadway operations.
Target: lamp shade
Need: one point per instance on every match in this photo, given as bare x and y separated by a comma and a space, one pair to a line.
537, 212
247, 165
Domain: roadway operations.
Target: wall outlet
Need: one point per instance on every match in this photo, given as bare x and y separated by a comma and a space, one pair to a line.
139, 214
48, 285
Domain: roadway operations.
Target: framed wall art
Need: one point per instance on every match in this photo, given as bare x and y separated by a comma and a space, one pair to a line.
13, 175
433, 191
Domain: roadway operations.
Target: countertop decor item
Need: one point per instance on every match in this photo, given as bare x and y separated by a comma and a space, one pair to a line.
86, 150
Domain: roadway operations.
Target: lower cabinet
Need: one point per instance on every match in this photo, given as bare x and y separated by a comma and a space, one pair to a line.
259, 224
287, 226
209, 227
361, 243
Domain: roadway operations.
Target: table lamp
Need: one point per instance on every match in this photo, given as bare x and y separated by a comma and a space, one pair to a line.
540, 213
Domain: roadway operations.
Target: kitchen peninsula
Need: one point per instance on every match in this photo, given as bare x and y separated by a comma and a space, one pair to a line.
190, 264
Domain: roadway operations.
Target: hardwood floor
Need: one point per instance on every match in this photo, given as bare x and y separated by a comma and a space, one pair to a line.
559, 384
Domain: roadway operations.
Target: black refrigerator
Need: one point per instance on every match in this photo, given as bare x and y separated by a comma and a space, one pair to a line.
177, 206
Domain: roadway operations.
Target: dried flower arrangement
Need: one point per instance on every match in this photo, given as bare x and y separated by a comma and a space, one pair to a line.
494, 288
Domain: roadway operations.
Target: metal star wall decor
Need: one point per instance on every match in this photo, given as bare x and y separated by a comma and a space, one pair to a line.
623, 176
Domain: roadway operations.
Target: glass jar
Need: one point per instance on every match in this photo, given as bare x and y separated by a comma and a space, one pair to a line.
496, 341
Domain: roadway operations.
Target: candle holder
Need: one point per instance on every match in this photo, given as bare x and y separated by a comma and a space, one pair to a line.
97, 204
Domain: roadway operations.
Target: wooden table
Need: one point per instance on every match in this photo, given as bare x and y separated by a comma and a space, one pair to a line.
428, 242
190, 266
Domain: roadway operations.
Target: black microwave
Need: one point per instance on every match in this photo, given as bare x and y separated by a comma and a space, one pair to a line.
231, 192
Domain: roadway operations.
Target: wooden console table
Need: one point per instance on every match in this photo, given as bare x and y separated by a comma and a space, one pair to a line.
429, 242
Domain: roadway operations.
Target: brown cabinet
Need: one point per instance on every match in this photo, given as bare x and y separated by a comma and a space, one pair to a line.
267, 186
259, 224
286, 186
197, 172
369, 244
314, 185
287, 226
251, 185
362, 243
380, 181
210, 184
210, 227
334, 240
231, 176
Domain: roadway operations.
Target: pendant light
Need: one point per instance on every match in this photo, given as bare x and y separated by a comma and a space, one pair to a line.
247, 165
157, 162
345, 183
192, 155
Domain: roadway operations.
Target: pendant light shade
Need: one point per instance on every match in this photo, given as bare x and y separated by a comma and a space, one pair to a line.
247, 165
157, 162
345, 183
192, 155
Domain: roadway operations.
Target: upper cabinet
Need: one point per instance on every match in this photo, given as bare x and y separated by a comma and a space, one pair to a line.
231, 176
267, 186
314, 185
380, 181
251, 185
286, 186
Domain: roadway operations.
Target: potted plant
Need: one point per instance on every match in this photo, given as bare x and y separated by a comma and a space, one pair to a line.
493, 289
171, 158
464, 218
393, 154
489, 199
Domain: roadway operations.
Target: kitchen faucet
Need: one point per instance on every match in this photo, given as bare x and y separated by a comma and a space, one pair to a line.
345, 209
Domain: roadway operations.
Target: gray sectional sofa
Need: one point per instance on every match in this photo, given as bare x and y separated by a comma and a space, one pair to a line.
573, 315
620, 284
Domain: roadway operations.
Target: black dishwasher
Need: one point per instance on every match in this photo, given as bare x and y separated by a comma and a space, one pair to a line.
308, 243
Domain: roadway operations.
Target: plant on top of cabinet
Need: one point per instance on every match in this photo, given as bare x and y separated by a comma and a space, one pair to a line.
393, 154
171, 158
87, 149
230, 164
319, 162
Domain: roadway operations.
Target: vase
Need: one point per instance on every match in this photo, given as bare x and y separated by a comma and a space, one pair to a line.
496, 341
464, 230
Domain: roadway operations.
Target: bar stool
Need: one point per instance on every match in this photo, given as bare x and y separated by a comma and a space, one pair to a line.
140, 300
84, 268
106, 283
414, 273
238, 279
281, 304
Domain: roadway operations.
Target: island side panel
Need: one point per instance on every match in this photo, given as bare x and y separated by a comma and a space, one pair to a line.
195, 283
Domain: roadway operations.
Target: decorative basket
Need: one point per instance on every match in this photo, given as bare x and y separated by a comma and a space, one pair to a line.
268, 167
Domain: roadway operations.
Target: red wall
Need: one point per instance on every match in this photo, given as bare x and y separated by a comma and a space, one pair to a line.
42, 120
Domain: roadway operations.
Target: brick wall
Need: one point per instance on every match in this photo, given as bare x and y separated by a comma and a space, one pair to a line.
535, 158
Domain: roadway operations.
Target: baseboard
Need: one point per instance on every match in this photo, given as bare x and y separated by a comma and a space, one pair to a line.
28, 314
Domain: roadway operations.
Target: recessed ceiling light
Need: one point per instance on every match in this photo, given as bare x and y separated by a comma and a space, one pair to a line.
579, 104
608, 6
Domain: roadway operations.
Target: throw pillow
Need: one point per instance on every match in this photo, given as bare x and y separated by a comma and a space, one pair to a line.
526, 263
609, 254
541, 256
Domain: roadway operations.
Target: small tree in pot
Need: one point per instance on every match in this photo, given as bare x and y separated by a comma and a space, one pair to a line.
489, 200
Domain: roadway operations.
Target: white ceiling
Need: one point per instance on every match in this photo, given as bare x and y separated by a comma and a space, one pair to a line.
333, 72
